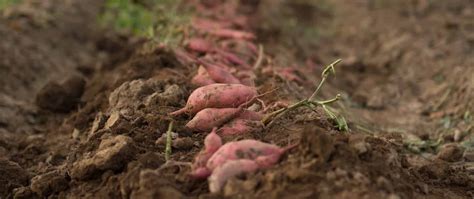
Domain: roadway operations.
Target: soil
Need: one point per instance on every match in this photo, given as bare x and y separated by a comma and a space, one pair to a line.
83, 110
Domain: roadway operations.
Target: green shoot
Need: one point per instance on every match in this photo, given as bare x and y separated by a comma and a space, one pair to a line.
311, 103
418, 146
326, 72
168, 142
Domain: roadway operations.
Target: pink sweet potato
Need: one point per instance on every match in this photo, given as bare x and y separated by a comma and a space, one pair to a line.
200, 173
233, 58
233, 34
184, 57
202, 78
199, 45
217, 96
218, 74
203, 24
228, 170
243, 149
208, 118
246, 77
212, 143
289, 74
240, 126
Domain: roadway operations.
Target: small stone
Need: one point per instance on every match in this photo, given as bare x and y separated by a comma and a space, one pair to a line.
457, 135
113, 119
75, 134
98, 123
451, 153
423, 188
183, 143
162, 140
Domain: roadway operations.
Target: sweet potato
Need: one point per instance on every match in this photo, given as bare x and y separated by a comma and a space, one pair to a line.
243, 149
212, 143
289, 74
202, 78
208, 118
203, 24
233, 34
199, 45
228, 170
200, 173
233, 58
219, 74
184, 57
240, 126
217, 96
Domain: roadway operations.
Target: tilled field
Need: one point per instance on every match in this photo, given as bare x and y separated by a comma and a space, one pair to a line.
85, 113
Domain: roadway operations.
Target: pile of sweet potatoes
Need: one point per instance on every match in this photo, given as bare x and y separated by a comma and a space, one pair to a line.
222, 50
219, 162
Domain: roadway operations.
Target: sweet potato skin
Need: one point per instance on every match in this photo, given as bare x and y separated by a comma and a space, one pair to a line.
228, 170
199, 45
212, 143
243, 149
209, 118
240, 126
202, 78
217, 96
219, 74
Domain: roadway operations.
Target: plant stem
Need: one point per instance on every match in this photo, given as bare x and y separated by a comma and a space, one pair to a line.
338, 96
268, 118
325, 74
168, 142
258, 63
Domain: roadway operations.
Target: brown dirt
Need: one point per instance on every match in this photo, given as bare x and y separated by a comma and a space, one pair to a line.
81, 114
